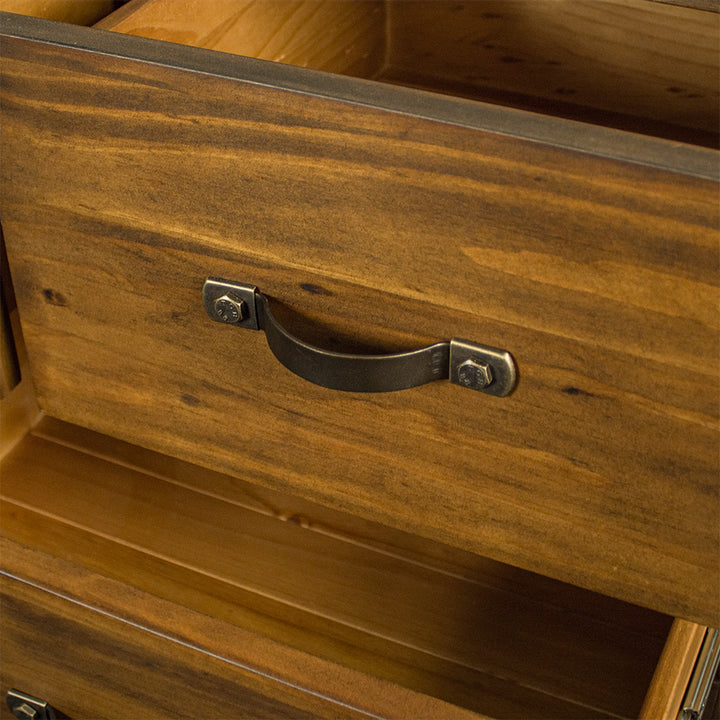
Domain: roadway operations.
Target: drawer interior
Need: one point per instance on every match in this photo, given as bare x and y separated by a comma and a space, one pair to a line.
638, 65
453, 625
77, 12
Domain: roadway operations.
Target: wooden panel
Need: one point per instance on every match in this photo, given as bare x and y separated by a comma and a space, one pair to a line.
109, 669
18, 413
125, 184
97, 648
348, 528
9, 363
601, 61
709, 5
666, 693
18, 406
327, 35
9, 368
80, 12
503, 644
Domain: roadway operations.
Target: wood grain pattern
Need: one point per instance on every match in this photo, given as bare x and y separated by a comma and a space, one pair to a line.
129, 654
125, 184
501, 645
708, 5
338, 37
633, 64
642, 66
348, 528
666, 693
79, 12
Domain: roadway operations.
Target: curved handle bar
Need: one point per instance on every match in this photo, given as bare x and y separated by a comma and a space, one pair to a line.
471, 365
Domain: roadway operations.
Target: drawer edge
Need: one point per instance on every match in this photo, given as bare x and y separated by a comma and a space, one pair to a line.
562, 134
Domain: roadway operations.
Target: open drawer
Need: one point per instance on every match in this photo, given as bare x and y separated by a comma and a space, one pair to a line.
314, 613
379, 217
646, 66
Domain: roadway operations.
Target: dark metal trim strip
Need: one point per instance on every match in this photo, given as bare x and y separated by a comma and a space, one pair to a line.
564, 134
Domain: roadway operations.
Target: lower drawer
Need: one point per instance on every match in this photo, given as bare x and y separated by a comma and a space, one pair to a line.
211, 590
96, 648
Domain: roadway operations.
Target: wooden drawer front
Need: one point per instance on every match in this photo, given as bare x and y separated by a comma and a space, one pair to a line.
90, 665
96, 648
132, 172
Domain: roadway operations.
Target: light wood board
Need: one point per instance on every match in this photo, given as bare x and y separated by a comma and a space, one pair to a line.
341, 37
672, 677
633, 64
80, 12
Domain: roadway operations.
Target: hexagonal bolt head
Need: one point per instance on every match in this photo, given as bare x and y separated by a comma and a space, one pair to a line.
475, 375
230, 309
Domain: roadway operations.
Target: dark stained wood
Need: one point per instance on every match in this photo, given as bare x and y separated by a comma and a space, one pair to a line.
96, 648
117, 671
125, 184
708, 5
9, 362
504, 644
18, 406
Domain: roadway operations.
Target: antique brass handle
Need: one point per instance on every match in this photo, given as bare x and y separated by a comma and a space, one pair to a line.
478, 367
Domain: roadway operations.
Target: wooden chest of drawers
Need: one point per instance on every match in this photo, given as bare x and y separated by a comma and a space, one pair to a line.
377, 218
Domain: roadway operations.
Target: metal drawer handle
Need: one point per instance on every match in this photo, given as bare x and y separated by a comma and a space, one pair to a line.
27, 707
471, 365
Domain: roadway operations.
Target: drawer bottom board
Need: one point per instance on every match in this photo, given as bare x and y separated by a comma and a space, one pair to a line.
439, 621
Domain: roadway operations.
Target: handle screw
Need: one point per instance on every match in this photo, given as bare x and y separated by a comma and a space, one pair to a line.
475, 375
230, 309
